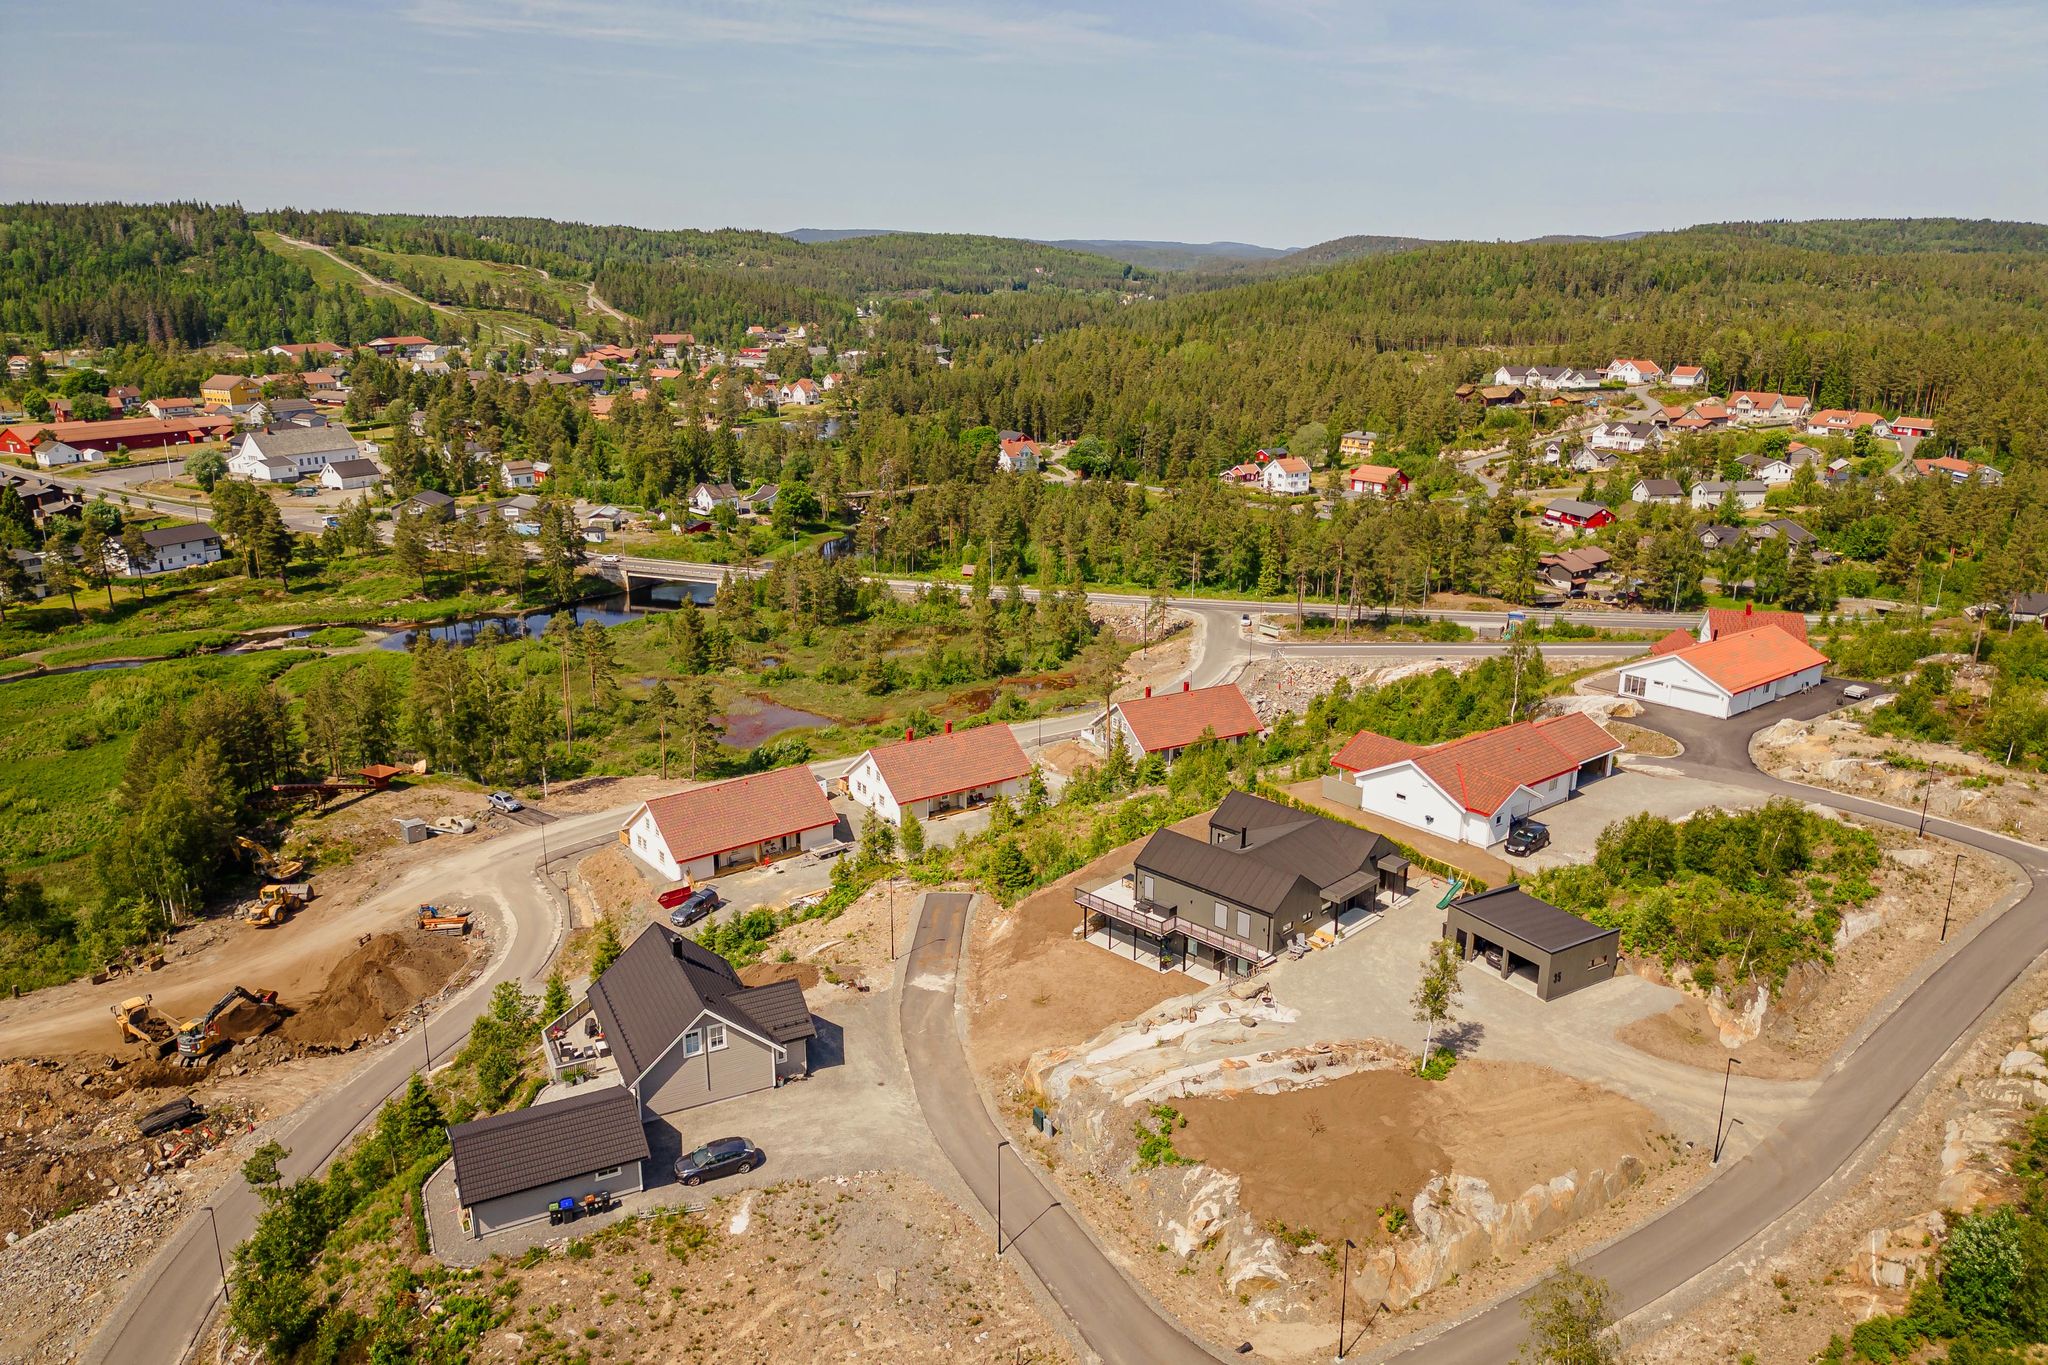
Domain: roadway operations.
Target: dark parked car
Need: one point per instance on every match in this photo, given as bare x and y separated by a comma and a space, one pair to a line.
693, 907
1526, 836
726, 1156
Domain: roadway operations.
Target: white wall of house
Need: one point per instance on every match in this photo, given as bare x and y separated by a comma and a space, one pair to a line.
1670, 681
169, 559
642, 836
1402, 793
330, 479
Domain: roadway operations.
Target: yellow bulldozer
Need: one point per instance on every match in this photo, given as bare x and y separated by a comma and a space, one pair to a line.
142, 1022
278, 900
272, 867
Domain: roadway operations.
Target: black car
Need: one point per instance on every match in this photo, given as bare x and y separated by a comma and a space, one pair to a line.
725, 1156
694, 907
1526, 836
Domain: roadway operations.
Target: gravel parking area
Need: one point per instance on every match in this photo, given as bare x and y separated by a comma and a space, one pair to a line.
1641, 786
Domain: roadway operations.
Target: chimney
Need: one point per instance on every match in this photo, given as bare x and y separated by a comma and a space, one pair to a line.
1183, 684
1148, 689
949, 727
909, 733
1749, 608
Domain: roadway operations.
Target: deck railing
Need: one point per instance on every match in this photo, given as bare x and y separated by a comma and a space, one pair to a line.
1160, 921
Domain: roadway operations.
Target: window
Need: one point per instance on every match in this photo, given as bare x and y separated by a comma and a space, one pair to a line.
1148, 886
693, 1043
1600, 961
1400, 796
1633, 684
1244, 924
1222, 915
714, 1037
608, 1173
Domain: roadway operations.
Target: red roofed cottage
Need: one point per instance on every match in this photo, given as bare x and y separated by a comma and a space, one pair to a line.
1729, 674
1169, 722
696, 834
939, 773
1472, 789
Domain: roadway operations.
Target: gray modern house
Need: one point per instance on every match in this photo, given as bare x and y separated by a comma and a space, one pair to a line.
515, 1168
1266, 875
680, 1029
1553, 950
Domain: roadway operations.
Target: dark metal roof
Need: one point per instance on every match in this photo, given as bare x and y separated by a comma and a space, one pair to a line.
663, 981
1537, 923
1231, 876
1287, 846
529, 1148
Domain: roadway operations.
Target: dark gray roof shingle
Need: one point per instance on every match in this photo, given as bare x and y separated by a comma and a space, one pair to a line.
529, 1148
663, 981
1540, 924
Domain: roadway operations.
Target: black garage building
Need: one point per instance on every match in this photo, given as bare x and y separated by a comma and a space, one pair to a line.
1553, 950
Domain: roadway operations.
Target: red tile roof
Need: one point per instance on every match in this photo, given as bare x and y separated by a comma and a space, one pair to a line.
1948, 463
1480, 772
1674, 642
1736, 663
1291, 464
401, 341
1174, 720
1681, 370
1723, 621
747, 810
1373, 473
958, 761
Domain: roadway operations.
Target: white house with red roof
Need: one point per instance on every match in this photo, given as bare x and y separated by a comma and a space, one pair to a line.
939, 773
697, 834
1728, 674
1919, 428
1168, 723
1017, 456
1287, 475
799, 393
1688, 376
1472, 789
1634, 371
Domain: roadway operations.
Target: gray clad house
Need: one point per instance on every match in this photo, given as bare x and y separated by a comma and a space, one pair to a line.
1266, 875
512, 1168
1555, 951
683, 1030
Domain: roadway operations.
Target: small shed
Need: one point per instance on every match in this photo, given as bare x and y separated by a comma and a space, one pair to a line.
1553, 950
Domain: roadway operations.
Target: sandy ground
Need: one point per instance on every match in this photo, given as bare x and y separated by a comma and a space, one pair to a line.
854, 945
1032, 985
1787, 1304
1822, 1007
1330, 1157
869, 1267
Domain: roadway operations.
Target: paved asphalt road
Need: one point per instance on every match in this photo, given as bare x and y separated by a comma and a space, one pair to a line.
170, 1299
1117, 1320
1728, 1214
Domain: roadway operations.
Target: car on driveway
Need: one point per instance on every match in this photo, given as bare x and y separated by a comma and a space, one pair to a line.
693, 907
725, 1156
1526, 836
505, 801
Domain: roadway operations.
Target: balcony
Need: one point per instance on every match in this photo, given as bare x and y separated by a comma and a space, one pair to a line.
1119, 902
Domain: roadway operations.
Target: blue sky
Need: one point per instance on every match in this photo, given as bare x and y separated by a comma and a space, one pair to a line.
1282, 124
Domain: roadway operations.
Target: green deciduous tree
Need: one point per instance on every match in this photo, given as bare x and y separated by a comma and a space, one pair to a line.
1570, 1321
1437, 992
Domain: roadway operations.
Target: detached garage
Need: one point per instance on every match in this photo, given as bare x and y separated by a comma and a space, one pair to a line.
1727, 675
1554, 951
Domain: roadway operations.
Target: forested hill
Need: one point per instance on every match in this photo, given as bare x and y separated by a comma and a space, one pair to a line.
185, 273
1380, 342
1876, 236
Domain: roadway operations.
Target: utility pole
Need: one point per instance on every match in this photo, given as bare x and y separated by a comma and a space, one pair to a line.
1956, 868
1926, 791
1726, 1072
999, 1194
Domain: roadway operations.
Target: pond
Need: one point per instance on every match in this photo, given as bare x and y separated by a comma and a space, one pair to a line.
756, 720
615, 610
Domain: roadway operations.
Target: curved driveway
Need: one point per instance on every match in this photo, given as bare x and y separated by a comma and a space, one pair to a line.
1726, 1216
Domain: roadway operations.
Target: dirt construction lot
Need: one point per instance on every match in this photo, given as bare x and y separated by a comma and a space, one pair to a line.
1032, 985
1329, 1158
876, 1267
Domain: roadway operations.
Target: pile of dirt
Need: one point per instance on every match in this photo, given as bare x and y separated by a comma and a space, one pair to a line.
376, 985
246, 1019
1330, 1158
804, 974
614, 885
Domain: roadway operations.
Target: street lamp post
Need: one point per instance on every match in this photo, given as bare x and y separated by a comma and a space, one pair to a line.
892, 919
1344, 1296
1951, 903
1720, 1118
999, 1194
218, 1259
1926, 791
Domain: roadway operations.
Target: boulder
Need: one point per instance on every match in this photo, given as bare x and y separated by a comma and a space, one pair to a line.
2021, 1062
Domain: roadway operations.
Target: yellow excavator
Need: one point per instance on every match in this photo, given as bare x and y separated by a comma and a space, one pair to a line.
142, 1022
276, 869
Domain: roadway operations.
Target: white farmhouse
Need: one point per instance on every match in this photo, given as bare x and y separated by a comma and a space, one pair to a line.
1728, 675
170, 548
1472, 789
351, 474
292, 453
697, 834
1287, 475
939, 773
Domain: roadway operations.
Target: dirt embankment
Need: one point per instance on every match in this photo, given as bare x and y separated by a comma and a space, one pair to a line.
1329, 1159
1032, 985
385, 981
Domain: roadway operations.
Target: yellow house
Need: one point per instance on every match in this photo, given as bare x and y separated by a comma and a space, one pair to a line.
233, 390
